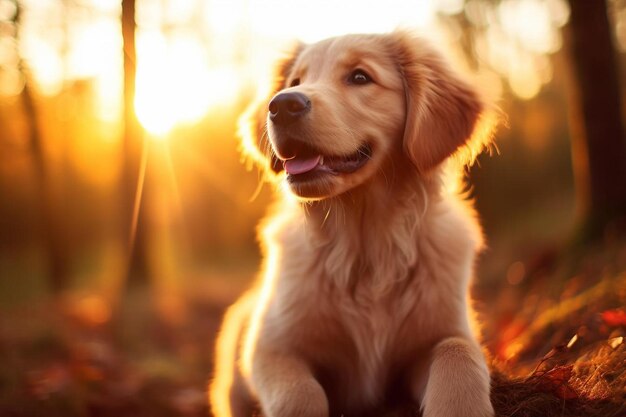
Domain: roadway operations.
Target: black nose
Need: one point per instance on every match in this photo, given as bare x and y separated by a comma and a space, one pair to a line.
287, 108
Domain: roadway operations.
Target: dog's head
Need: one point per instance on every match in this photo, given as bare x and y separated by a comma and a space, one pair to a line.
343, 109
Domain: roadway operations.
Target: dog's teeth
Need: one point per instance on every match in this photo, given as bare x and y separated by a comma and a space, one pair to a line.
321, 161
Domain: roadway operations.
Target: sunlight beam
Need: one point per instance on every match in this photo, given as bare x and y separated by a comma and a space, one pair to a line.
138, 195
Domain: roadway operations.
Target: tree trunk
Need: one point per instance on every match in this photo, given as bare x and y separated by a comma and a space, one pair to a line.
133, 150
598, 142
51, 228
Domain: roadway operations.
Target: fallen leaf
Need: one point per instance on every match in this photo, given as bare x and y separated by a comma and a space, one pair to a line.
51, 380
614, 342
615, 317
572, 341
565, 392
559, 375
556, 381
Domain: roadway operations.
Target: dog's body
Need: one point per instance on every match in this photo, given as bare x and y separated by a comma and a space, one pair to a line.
364, 295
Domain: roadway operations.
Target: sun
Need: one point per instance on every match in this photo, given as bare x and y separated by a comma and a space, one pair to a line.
176, 84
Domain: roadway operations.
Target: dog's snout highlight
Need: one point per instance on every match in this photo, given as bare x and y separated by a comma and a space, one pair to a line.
287, 108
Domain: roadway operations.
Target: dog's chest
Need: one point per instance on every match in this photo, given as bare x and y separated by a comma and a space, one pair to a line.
373, 330
368, 333
362, 331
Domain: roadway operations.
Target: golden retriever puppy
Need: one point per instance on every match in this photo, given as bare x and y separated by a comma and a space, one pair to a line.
363, 298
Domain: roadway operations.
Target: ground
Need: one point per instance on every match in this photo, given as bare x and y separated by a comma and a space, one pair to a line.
555, 339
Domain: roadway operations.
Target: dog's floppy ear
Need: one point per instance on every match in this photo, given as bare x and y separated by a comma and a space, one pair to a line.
442, 109
252, 124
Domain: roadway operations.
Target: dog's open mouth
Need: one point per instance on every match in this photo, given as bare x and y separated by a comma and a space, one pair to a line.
308, 162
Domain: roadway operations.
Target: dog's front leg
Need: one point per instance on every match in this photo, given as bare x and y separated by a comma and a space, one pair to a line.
457, 384
286, 387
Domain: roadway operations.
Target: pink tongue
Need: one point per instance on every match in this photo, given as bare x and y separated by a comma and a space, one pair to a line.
299, 166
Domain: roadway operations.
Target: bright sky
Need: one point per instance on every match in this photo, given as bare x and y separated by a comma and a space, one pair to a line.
194, 55
240, 31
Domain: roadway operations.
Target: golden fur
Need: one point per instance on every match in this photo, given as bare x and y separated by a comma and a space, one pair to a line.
363, 298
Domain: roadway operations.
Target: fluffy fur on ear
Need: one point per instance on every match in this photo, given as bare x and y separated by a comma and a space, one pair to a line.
252, 124
441, 109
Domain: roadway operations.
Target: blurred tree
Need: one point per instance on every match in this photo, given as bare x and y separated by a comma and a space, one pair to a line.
598, 142
134, 152
597, 130
52, 229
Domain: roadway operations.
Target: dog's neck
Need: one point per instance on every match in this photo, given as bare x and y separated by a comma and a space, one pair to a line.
371, 233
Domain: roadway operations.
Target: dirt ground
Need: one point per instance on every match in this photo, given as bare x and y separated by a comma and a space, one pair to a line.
556, 347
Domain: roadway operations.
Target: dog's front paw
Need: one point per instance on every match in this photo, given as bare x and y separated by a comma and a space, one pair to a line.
458, 382
467, 407
306, 399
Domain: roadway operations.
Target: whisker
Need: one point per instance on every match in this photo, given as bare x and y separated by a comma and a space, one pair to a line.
365, 154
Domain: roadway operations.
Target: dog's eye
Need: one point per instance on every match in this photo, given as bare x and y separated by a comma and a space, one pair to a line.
359, 77
294, 82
